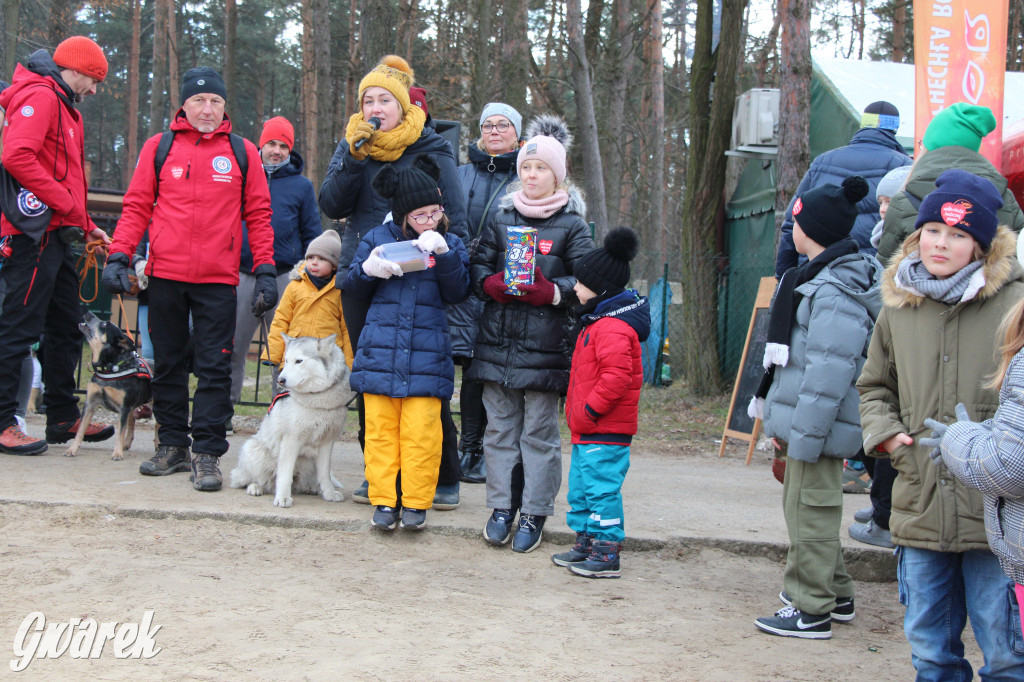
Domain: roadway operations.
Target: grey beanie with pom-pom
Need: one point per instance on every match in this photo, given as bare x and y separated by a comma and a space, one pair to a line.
826, 213
606, 268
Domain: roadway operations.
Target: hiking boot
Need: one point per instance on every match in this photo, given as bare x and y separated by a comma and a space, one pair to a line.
842, 613
791, 622
446, 497
413, 519
14, 441
864, 515
578, 554
206, 473
385, 518
167, 460
499, 526
361, 495
870, 534
529, 534
65, 431
474, 468
603, 561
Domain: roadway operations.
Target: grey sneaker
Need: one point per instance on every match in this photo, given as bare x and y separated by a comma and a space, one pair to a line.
789, 622
167, 460
871, 534
206, 473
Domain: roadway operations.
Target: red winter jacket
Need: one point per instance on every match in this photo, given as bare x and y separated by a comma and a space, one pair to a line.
196, 230
606, 376
43, 148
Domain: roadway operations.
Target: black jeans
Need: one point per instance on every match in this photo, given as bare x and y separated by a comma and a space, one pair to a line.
881, 492
39, 287
212, 310
471, 408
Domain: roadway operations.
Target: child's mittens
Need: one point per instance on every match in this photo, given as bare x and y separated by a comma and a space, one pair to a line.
432, 242
494, 286
939, 431
541, 292
377, 266
755, 409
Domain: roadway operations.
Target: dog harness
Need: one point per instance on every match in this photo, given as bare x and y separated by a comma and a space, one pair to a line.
279, 396
132, 367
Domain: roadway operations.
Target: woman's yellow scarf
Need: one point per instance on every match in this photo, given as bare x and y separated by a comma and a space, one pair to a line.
389, 146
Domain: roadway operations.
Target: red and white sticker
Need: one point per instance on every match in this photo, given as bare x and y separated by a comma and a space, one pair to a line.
430, 262
177, 172
798, 206
544, 245
954, 212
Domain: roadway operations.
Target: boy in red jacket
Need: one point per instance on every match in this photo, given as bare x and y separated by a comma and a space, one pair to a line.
601, 405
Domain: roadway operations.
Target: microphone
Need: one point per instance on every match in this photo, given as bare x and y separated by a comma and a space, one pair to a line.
375, 124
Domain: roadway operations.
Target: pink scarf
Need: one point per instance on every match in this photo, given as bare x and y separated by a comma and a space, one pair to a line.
540, 208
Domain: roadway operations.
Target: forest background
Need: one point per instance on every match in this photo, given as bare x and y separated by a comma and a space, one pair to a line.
647, 86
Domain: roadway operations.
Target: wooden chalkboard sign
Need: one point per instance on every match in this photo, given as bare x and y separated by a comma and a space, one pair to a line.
738, 424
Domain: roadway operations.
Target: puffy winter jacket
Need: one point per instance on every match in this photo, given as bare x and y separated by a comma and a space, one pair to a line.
196, 230
484, 180
43, 142
813, 404
990, 457
295, 219
902, 213
305, 310
872, 153
519, 345
925, 357
607, 371
404, 350
346, 191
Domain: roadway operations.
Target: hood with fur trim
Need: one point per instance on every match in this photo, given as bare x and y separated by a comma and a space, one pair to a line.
1000, 267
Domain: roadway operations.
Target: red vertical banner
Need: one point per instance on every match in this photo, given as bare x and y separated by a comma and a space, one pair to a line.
960, 56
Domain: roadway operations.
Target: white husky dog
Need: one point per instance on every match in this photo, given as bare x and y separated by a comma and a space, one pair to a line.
292, 448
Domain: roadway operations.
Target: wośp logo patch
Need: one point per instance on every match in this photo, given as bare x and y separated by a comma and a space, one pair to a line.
221, 164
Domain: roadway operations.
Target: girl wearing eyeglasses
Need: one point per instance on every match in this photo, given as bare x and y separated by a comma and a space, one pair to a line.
403, 364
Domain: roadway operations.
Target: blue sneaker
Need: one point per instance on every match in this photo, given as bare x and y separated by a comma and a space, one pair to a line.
446, 497
361, 495
385, 518
413, 519
531, 530
499, 526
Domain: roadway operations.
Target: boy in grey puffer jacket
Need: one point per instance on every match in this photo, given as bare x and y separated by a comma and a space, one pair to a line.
818, 336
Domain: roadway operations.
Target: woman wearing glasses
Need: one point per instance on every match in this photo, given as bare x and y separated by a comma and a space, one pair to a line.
485, 179
403, 364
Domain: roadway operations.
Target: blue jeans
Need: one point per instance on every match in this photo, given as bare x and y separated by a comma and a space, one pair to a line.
940, 590
596, 473
145, 342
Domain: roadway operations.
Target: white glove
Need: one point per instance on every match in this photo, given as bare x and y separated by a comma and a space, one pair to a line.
140, 272
432, 242
376, 266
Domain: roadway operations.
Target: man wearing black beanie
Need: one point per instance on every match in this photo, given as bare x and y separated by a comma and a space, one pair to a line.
208, 181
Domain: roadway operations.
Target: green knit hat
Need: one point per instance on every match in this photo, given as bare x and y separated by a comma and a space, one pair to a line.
960, 125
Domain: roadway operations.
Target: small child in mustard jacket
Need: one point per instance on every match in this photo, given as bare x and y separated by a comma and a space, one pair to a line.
311, 305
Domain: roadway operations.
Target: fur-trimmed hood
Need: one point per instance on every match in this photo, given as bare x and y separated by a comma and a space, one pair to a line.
1000, 267
577, 204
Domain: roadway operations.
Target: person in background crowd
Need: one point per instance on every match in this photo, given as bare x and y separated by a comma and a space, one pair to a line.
43, 150
296, 223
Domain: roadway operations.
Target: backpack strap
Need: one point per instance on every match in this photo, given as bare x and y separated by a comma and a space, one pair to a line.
237, 148
162, 150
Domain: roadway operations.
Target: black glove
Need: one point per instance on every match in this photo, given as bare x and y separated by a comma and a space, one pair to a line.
115, 274
264, 296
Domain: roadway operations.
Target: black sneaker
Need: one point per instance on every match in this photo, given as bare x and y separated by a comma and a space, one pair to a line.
603, 561
579, 552
167, 460
791, 622
843, 612
499, 526
385, 518
206, 473
529, 534
361, 495
413, 519
65, 431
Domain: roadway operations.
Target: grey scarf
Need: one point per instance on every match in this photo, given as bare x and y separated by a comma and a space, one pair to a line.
963, 285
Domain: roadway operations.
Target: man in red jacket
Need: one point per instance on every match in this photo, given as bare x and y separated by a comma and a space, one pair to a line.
195, 242
43, 148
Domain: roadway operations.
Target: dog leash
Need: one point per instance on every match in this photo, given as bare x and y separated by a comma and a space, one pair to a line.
90, 263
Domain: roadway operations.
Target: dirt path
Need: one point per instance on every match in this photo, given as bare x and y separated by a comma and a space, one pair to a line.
254, 602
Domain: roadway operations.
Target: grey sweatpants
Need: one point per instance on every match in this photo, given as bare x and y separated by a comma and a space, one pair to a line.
522, 426
246, 325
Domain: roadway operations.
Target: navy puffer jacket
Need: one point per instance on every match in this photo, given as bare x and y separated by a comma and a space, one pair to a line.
404, 350
484, 180
872, 153
296, 219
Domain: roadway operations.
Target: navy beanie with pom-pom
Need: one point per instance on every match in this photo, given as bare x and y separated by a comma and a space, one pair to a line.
606, 269
826, 213
409, 188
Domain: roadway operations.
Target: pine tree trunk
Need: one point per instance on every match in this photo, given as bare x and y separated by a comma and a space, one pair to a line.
515, 56
621, 54
159, 85
132, 123
173, 77
230, 59
481, 86
657, 131
794, 102
12, 9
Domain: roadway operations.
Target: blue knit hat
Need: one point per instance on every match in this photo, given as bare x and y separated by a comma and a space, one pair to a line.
965, 201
